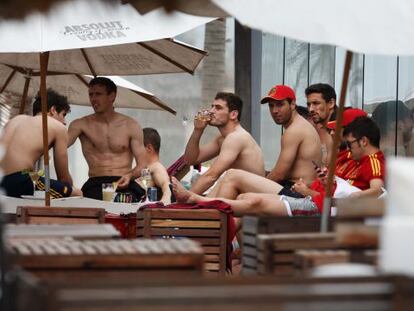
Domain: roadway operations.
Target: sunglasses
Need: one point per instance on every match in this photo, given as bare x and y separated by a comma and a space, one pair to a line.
349, 143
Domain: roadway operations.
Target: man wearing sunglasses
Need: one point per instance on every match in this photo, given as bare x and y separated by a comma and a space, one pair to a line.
362, 138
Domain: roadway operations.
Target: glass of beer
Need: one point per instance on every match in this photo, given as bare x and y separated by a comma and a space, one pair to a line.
108, 192
204, 115
146, 181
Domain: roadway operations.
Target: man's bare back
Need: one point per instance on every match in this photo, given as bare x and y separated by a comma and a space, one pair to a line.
23, 142
106, 144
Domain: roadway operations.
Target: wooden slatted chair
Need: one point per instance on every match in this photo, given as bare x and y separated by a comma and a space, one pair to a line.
68, 259
59, 215
254, 225
276, 252
207, 226
231, 294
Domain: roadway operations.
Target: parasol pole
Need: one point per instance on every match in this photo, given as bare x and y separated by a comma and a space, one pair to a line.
337, 139
44, 59
27, 78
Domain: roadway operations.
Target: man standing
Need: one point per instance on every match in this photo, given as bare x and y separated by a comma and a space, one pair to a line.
23, 142
110, 141
321, 102
234, 147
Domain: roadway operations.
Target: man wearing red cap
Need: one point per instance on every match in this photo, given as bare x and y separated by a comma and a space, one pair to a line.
300, 143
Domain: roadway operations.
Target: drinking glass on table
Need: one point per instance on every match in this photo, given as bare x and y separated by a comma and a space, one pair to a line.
108, 191
146, 181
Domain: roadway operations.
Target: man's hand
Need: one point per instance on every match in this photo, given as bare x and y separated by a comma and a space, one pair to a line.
301, 187
123, 182
199, 124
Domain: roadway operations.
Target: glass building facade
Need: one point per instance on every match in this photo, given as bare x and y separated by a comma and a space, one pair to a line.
381, 85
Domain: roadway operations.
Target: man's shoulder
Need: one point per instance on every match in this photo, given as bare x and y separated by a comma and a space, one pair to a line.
156, 166
120, 117
240, 135
82, 120
20, 118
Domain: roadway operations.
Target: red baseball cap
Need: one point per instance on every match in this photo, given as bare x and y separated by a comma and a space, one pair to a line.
349, 116
279, 92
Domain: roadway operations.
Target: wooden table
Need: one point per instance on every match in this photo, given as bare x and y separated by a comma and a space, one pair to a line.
68, 259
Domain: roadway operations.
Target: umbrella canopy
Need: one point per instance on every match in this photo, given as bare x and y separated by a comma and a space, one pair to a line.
75, 87
82, 24
369, 26
151, 57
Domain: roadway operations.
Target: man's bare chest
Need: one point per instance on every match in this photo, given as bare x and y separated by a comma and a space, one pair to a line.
106, 138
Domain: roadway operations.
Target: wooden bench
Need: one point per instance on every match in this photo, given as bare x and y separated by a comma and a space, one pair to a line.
253, 226
71, 259
358, 220
59, 215
180, 294
276, 252
306, 260
206, 226
83, 231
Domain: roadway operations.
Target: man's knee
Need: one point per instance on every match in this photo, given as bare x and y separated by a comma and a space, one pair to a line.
232, 175
253, 199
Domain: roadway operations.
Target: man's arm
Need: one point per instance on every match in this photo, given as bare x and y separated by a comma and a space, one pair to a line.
194, 154
74, 131
161, 180
375, 189
138, 151
60, 154
230, 150
289, 147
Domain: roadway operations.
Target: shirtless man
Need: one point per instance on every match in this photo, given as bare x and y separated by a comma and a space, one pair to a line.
152, 143
110, 141
321, 101
234, 147
23, 142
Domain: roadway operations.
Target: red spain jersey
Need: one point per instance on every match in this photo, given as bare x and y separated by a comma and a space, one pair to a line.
345, 165
368, 168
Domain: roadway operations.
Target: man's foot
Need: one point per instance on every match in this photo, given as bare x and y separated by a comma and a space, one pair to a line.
182, 195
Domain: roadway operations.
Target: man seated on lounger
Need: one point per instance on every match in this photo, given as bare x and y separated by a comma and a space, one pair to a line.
362, 139
23, 142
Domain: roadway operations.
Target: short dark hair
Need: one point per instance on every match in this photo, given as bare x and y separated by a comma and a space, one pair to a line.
106, 82
364, 126
152, 137
60, 102
385, 114
233, 101
327, 91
